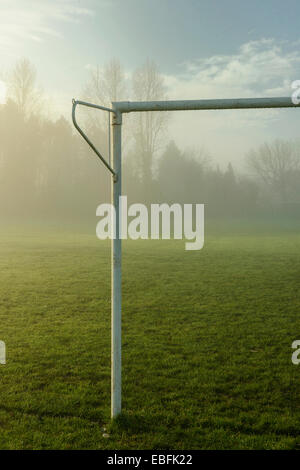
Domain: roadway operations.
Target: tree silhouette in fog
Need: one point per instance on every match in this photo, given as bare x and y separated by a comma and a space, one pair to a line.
48, 171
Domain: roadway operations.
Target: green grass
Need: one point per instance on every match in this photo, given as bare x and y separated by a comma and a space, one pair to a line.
206, 342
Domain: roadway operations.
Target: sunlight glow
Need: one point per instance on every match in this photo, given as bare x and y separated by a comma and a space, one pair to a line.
3, 91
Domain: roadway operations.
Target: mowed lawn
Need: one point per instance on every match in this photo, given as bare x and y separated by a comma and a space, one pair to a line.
206, 342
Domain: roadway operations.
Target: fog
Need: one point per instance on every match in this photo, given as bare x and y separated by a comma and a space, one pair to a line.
49, 173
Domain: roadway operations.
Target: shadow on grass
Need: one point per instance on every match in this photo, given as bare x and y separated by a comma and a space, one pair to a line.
132, 423
95, 418
133, 426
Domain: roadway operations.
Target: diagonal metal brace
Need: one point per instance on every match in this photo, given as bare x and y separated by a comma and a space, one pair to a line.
90, 105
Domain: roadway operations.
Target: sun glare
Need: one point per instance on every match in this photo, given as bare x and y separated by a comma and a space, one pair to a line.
2, 92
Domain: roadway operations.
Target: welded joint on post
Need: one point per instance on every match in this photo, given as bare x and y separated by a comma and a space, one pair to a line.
116, 117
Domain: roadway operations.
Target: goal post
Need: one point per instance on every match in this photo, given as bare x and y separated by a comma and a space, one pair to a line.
117, 109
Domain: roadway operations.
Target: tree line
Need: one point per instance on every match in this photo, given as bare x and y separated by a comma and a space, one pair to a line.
47, 170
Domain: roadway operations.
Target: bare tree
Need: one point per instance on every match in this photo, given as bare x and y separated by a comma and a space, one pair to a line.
114, 81
22, 87
105, 84
275, 165
148, 127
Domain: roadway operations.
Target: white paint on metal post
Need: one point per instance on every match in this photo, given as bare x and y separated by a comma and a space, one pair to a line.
116, 278
109, 140
2, 353
193, 105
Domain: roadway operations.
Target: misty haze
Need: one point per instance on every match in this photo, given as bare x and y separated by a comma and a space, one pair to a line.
146, 345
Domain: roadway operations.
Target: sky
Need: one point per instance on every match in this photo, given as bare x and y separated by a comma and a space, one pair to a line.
203, 48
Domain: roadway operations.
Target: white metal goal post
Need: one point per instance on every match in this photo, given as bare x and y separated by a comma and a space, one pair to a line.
115, 167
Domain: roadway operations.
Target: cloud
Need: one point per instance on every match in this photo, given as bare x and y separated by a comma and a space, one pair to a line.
31, 19
260, 68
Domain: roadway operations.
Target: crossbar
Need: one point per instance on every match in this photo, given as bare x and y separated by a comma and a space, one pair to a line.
193, 105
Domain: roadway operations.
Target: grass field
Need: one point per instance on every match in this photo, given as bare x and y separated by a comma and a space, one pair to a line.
206, 342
